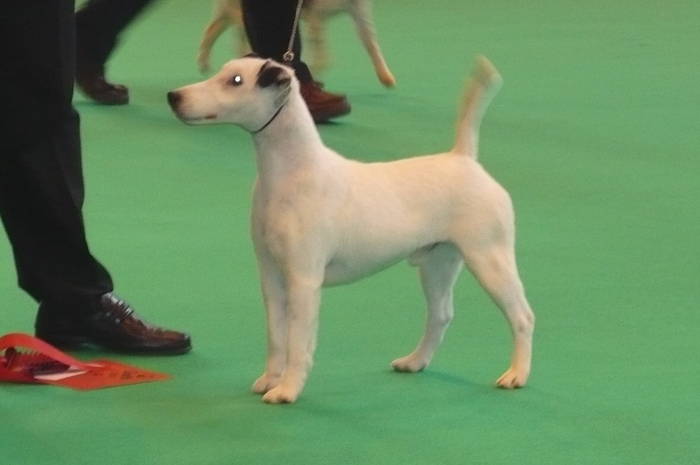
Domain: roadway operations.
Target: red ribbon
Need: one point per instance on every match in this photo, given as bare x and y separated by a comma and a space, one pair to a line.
22, 366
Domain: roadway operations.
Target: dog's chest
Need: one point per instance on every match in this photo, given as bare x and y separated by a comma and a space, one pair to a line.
285, 218
274, 223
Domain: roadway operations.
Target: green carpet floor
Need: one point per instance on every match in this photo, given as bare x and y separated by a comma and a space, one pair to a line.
596, 136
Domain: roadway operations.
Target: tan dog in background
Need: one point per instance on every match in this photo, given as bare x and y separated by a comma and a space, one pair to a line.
315, 13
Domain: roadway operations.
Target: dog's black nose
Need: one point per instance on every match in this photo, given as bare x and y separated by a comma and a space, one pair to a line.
174, 98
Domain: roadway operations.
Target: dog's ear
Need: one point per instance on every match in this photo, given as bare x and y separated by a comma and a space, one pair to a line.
270, 74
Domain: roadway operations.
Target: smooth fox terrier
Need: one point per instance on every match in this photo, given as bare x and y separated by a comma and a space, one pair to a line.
319, 219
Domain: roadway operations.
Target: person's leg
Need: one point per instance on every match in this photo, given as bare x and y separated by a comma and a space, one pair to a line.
269, 27
98, 25
41, 195
41, 185
41, 189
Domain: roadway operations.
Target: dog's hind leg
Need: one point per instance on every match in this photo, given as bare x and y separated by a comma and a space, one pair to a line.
211, 33
438, 271
235, 19
362, 15
495, 268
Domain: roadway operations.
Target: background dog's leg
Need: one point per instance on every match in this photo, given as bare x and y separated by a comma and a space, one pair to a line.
211, 33
275, 303
361, 13
438, 270
317, 41
242, 41
496, 270
235, 18
303, 300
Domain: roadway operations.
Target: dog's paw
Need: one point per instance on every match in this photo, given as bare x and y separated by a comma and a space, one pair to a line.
265, 383
409, 364
512, 379
387, 79
281, 395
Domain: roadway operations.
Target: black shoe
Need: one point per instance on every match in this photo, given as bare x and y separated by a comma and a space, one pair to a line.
92, 82
108, 322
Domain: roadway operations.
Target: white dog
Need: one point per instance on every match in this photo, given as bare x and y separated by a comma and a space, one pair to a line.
320, 219
315, 13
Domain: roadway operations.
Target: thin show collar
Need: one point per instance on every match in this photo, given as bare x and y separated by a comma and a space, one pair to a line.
271, 119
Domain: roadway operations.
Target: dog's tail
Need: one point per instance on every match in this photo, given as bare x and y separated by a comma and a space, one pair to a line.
480, 90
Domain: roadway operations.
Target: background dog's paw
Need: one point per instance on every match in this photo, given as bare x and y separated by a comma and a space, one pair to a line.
512, 379
387, 79
281, 395
409, 364
264, 383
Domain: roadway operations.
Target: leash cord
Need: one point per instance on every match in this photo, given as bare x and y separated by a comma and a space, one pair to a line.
288, 56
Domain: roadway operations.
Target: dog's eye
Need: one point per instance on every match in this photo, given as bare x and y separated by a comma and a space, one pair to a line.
236, 80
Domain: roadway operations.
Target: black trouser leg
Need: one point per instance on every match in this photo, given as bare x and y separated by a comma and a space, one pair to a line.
269, 26
41, 184
98, 24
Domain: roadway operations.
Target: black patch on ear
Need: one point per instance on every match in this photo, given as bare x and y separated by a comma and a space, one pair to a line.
270, 74
252, 55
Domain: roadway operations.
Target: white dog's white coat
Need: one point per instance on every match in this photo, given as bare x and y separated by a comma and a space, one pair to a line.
320, 219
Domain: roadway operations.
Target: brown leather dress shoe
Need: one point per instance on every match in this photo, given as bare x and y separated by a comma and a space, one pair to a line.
108, 322
92, 82
323, 105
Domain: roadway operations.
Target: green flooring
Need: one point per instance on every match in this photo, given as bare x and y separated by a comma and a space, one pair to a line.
596, 136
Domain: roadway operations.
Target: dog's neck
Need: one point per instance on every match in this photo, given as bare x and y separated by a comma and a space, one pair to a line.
289, 143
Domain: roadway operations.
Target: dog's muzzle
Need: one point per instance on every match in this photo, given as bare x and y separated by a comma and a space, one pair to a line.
175, 100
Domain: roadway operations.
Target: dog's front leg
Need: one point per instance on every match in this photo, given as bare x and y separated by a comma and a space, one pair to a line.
303, 300
275, 304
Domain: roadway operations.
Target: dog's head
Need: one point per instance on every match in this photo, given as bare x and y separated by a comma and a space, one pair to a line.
247, 92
